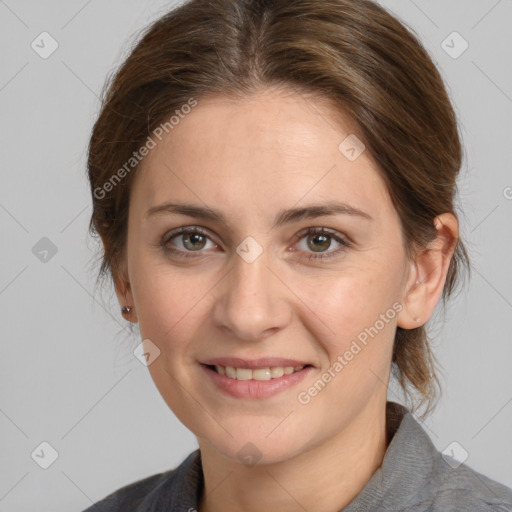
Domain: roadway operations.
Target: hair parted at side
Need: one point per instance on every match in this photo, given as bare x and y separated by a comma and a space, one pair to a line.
353, 53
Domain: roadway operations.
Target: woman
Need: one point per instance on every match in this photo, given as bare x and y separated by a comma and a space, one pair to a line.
273, 183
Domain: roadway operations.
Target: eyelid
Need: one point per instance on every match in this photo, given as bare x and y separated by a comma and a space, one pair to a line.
340, 237
184, 230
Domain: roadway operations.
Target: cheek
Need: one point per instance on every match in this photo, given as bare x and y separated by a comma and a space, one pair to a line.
354, 318
350, 300
168, 301
354, 323
171, 306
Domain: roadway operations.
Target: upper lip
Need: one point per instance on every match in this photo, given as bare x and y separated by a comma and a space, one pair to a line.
263, 362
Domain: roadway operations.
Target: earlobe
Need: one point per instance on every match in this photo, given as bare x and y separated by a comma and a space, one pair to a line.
412, 314
125, 298
122, 288
428, 273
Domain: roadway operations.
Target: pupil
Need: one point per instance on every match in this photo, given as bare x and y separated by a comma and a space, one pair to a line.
191, 239
325, 244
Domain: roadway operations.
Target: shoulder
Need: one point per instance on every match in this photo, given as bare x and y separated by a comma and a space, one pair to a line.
162, 489
463, 488
416, 477
131, 496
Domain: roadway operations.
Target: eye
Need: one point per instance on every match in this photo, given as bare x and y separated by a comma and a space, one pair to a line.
191, 239
188, 240
319, 240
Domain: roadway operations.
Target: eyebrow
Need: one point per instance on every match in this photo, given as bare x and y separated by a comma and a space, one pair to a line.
283, 217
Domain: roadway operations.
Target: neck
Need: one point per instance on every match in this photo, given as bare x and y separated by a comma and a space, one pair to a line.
325, 478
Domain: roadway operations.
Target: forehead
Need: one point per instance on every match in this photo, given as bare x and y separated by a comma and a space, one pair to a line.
272, 147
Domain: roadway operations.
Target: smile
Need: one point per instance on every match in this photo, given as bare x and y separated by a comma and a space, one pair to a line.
258, 382
269, 373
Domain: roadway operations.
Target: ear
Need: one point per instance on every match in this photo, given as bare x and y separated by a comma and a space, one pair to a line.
427, 274
124, 292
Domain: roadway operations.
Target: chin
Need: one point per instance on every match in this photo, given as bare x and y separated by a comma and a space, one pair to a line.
250, 454
262, 445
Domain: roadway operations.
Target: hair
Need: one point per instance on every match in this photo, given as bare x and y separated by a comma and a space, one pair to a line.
353, 53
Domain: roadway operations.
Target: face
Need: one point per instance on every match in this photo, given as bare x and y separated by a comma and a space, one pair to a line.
248, 286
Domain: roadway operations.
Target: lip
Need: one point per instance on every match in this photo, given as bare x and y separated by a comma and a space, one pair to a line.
252, 364
255, 389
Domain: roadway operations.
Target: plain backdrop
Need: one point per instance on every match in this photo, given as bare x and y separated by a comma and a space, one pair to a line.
68, 376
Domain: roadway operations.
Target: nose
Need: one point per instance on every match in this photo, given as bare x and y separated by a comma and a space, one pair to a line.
252, 300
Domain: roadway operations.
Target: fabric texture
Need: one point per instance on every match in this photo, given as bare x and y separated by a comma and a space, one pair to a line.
414, 477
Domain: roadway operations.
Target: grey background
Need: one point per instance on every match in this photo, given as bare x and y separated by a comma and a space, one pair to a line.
68, 375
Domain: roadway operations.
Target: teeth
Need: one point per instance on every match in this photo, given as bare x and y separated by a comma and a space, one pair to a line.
243, 374
261, 374
276, 372
257, 374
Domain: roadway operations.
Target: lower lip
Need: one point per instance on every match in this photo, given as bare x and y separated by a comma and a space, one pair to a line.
255, 388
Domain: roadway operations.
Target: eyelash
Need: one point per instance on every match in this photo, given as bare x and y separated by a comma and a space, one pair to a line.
345, 244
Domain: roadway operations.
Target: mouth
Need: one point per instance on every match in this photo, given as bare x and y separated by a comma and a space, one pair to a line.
255, 379
262, 374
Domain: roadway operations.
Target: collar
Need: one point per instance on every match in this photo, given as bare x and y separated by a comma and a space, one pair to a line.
408, 466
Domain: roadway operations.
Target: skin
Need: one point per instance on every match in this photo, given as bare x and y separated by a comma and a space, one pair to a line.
250, 159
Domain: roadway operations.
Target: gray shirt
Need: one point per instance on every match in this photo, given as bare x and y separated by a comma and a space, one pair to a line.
414, 476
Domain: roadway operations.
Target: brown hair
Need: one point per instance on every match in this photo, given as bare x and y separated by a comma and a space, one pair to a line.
350, 52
